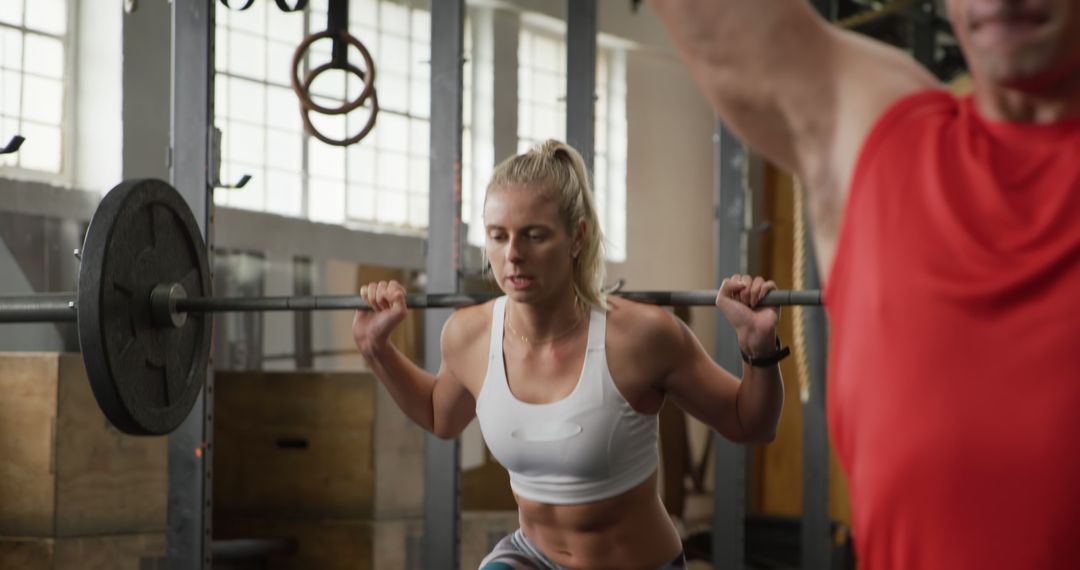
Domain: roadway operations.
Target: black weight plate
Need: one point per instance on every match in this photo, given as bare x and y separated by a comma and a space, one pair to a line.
146, 378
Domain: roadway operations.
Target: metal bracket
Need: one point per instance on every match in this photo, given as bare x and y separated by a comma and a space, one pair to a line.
215, 164
13, 145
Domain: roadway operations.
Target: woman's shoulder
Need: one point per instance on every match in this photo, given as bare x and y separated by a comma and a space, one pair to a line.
468, 324
639, 322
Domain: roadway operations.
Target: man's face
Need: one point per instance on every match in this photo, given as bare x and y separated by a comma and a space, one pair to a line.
1020, 44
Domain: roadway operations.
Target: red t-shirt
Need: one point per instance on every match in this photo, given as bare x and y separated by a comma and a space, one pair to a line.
954, 304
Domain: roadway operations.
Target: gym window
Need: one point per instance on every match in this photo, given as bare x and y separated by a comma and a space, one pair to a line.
33, 85
542, 115
380, 181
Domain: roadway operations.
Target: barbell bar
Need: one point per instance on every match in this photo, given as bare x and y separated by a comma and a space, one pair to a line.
459, 300
60, 307
144, 297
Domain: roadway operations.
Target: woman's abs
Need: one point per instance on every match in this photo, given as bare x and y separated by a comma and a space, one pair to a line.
631, 530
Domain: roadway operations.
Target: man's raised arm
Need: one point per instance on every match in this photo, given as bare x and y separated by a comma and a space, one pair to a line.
790, 85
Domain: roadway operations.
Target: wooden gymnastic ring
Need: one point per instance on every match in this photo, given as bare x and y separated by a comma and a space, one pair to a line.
302, 88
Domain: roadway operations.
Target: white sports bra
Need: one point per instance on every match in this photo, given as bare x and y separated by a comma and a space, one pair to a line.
589, 446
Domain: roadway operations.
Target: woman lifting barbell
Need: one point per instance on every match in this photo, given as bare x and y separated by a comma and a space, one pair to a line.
568, 401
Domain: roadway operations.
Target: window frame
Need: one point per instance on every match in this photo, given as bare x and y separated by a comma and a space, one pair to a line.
65, 175
415, 187
613, 50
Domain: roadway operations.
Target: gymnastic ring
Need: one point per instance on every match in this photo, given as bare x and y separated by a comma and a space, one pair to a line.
247, 4
284, 6
344, 108
302, 92
310, 128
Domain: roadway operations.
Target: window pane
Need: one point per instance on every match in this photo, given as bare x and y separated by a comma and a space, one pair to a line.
10, 95
358, 119
11, 48
48, 16
361, 164
421, 27
279, 63
284, 150
601, 131
247, 56
221, 45
245, 143
283, 109
42, 149
546, 54
326, 161
420, 105
525, 84
394, 18
418, 211
286, 27
547, 89
418, 137
11, 12
549, 123
393, 91
362, 202
252, 20
247, 101
317, 17
393, 208
330, 84
394, 53
284, 192
392, 171
43, 100
419, 175
332, 126
363, 12
355, 87
326, 200
393, 133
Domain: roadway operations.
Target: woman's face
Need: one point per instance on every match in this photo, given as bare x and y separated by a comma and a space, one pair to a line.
531, 253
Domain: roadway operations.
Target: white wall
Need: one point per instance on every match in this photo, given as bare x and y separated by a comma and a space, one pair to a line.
669, 185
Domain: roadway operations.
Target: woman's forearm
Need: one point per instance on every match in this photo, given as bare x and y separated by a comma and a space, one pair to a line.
760, 401
410, 386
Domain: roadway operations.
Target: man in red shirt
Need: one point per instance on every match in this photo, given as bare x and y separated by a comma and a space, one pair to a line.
949, 232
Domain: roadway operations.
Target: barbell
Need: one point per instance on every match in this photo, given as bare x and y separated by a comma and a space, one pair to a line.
144, 299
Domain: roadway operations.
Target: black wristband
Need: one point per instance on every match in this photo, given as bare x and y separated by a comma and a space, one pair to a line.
766, 360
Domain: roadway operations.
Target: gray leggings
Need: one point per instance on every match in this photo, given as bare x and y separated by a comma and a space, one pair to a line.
516, 552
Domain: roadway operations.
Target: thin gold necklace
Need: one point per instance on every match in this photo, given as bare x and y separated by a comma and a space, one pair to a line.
526, 340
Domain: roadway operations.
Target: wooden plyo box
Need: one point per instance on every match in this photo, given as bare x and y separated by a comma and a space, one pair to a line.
333, 544
314, 445
64, 470
389, 544
118, 552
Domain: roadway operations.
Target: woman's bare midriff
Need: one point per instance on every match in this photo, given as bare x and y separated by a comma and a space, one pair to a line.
629, 531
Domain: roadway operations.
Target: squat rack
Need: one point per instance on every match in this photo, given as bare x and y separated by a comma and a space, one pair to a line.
191, 447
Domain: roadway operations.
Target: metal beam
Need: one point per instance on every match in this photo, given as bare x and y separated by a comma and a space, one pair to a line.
581, 78
815, 541
442, 473
729, 490
191, 446
816, 532
302, 343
